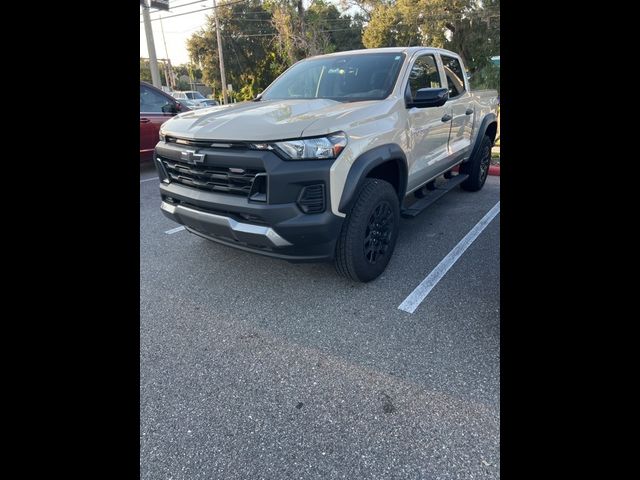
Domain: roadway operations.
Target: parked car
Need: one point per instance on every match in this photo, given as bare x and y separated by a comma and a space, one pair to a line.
195, 99
189, 95
209, 102
320, 166
192, 104
156, 107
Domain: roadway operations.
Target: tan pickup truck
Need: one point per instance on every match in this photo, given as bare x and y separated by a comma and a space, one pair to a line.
321, 165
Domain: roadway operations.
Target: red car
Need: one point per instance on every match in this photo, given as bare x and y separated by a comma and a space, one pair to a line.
156, 107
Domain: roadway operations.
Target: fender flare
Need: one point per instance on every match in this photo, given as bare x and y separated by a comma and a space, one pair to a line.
486, 121
365, 163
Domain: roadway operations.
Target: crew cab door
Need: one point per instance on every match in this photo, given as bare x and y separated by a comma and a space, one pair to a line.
428, 129
461, 106
155, 109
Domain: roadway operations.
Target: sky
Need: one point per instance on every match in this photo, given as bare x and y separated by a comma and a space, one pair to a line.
177, 29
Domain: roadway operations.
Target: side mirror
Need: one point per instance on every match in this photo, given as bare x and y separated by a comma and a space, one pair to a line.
171, 108
257, 97
429, 97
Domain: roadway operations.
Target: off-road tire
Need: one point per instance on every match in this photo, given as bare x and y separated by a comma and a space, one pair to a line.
367, 240
477, 167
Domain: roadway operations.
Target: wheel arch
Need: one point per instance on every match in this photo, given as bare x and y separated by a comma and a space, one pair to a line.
385, 162
488, 126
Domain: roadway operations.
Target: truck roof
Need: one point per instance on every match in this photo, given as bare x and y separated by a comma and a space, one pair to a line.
407, 50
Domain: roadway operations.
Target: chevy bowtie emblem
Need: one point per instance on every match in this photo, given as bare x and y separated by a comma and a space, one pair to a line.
192, 157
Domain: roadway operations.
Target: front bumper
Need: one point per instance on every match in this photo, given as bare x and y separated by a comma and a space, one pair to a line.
276, 228
225, 227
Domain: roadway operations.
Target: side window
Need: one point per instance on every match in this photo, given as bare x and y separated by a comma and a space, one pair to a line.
455, 75
424, 74
152, 102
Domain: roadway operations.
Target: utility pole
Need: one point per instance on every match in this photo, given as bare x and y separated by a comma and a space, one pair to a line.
165, 69
168, 72
153, 61
172, 75
223, 77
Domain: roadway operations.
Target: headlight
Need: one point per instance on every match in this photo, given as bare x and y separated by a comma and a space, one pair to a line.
311, 148
161, 135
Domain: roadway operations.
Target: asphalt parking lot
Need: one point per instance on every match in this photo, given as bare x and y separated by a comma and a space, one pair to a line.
255, 368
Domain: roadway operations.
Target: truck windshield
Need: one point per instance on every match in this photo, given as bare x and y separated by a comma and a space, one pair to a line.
195, 95
346, 78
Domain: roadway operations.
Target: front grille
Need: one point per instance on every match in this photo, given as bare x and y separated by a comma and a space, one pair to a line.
205, 143
232, 180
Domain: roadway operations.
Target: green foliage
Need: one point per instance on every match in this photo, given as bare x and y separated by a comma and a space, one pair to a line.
385, 28
250, 63
261, 38
328, 31
487, 76
190, 71
467, 27
145, 70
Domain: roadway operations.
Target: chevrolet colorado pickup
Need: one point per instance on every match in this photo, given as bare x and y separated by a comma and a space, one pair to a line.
321, 165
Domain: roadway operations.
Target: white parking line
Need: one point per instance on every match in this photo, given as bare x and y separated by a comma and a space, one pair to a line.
174, 230
149, 179
416, 297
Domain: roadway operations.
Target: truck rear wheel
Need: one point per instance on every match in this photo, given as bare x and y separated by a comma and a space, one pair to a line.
477, 167
369, 232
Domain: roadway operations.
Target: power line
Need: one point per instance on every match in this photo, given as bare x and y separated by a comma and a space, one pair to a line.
350, 19
186, 4
179, 6
447, 16
201, 10
443, 16
275, 34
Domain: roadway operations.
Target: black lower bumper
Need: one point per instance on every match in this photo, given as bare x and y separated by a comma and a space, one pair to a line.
280, 230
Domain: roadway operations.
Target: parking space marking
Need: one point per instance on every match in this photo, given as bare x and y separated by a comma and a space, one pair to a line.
416, 297
174, 230
149, 179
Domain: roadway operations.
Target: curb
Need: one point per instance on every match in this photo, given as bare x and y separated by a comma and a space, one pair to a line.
493, 170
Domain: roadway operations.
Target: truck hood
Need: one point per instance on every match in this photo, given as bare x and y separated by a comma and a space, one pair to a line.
265, 120
259, 121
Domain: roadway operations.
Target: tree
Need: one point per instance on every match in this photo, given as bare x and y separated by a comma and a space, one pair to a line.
413, 22
386, 29
328, 31
260, 39
366, 7
189, 70
145, 71
467, 27
247, 37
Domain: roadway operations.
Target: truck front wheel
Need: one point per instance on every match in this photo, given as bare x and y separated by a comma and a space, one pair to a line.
477, 167
369, 232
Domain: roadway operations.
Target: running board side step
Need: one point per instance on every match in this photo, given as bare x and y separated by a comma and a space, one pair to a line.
433, 195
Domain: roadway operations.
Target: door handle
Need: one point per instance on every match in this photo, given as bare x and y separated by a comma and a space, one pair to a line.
144, 120
469, 111
446, 117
